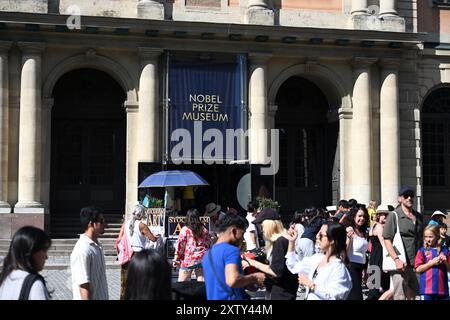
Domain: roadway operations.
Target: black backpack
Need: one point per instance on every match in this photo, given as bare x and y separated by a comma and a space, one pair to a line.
28, 283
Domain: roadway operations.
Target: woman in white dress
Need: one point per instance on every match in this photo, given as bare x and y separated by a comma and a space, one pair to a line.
324, 274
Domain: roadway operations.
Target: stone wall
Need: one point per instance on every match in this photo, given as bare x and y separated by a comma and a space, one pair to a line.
105, 8
33, 6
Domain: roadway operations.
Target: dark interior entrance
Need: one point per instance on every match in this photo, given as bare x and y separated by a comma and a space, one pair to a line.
436, 150
88, 148
307, 146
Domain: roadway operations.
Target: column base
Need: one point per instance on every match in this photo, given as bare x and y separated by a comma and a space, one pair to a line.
359, 12
32, 207
5, 207
148, 9
260, 16
10, 223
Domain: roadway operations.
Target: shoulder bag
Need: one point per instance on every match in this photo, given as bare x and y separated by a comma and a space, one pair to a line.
399, 248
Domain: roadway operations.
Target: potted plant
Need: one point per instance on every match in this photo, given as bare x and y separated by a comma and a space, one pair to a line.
267, 203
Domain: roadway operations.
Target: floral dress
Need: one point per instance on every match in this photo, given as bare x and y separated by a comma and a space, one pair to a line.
191, 249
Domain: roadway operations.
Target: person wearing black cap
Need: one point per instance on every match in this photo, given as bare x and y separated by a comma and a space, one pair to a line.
410, 223
282, 285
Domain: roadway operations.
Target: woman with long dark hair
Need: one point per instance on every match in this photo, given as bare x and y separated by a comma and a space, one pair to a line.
26, 257
149, 277
356, 224
193, 242
324, 274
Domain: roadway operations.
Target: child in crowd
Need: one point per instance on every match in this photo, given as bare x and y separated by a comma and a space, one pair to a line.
433, 263
372, 210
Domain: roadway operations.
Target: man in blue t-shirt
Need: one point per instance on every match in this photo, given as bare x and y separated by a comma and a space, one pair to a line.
222, 266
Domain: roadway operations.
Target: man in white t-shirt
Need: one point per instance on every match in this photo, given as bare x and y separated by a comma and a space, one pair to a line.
250, 235
87, 261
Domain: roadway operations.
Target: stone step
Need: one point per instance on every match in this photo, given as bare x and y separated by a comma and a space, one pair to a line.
65, 259
66, 253
109, 266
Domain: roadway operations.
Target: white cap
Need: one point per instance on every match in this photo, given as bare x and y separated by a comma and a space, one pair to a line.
438, 213
385, 208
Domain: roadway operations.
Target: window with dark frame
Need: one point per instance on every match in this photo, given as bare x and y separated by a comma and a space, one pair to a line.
436, 139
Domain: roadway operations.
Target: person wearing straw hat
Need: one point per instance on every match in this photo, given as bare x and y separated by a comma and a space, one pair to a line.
436, 218
212, 210
376, 242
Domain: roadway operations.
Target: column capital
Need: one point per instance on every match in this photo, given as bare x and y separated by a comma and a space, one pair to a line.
363, 62
5, 46
259, 57
31, 47
149, 53
131, 106
390, 63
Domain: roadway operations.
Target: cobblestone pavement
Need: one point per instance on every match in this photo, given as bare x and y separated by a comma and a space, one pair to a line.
60, 282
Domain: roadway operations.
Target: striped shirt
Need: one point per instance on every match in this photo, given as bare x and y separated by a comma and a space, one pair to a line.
87, 264
435, 279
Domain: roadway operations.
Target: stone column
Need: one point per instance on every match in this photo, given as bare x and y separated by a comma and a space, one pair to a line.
4, 116
131, 108
148, 121
360, 155
47, 104
387, 8
389, 132
345, 129
258, 12
259, 137
30, 130
359, 7
150, 9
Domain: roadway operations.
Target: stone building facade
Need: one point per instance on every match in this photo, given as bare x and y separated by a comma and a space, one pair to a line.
360, 90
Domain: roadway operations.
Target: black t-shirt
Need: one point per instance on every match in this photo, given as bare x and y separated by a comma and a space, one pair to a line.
285, 285
446, 242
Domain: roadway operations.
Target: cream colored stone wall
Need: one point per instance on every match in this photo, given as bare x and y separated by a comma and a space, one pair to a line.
33, 6
104, 8
334, 14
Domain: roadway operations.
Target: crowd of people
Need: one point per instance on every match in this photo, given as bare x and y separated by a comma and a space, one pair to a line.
337, 253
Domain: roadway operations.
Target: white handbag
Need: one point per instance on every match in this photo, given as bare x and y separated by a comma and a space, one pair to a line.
399, 248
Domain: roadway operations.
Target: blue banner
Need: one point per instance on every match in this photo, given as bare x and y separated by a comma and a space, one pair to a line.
204, 95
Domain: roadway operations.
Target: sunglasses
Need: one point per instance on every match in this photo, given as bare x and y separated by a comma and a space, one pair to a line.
406, 196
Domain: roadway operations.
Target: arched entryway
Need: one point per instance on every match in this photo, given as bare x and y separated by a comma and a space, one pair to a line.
88, 159
436, 150
308, 144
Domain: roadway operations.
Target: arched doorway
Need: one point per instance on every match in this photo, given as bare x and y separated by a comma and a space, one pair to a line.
308, 142
436, 150
88, 159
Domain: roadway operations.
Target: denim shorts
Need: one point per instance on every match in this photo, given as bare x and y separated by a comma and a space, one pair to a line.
196, 266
